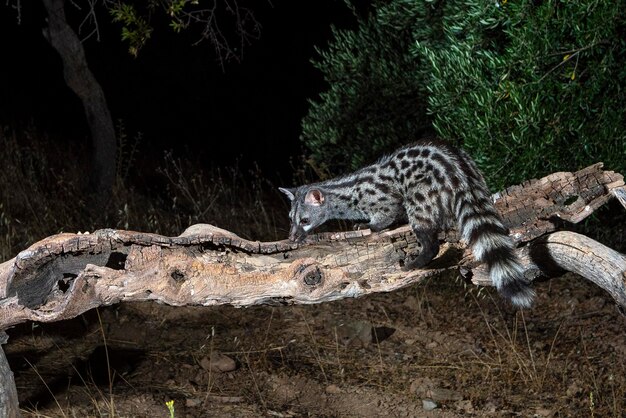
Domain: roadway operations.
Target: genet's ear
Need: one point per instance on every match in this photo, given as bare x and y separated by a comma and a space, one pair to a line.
314, 197
289, 192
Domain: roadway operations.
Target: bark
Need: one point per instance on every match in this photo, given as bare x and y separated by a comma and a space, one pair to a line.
66, 274
82, 82
9, 407
569, 251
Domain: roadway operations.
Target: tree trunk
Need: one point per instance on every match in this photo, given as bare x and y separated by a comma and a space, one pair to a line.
82, 82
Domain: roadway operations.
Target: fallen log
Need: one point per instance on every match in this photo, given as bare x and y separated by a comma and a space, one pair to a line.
65, 275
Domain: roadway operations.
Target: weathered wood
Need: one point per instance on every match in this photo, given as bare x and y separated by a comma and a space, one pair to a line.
568, 251
64, 275
9, 407
535, 207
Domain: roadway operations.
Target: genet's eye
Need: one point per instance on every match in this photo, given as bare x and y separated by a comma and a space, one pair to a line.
304, 221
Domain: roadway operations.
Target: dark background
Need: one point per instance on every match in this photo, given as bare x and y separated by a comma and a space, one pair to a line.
176, 94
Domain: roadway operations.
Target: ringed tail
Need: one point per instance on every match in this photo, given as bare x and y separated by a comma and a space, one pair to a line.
482, 228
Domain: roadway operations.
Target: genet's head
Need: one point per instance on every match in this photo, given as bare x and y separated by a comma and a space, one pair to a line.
308, 210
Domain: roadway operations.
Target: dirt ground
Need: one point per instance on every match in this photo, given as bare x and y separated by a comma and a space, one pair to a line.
439, 349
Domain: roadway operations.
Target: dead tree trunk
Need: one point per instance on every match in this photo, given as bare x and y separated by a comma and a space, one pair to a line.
65, 275
8, 393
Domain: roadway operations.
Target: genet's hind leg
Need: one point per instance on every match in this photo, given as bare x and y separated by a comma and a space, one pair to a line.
430, 247
422, 219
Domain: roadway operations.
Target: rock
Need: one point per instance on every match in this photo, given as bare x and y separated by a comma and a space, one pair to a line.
465, 406
429, 404
333, 389
354, 333
543, 412
192, 402
444, 395
573, 389
218, 362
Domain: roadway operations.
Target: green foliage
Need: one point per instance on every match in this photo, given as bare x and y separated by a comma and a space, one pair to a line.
530, 88
373, 100
527, 87
135, 28
176, 11
227, 26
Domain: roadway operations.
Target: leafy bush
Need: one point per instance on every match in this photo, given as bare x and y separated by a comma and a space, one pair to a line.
527, 87
375, 94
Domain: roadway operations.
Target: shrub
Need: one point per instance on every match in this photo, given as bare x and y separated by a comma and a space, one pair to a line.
527, 87
375, 93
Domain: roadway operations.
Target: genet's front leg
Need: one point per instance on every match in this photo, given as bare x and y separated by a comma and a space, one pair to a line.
430, 248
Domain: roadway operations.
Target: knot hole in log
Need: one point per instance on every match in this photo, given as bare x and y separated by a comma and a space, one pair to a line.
177, 275
310, 274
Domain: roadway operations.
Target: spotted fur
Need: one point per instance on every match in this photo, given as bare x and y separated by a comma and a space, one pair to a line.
432, 186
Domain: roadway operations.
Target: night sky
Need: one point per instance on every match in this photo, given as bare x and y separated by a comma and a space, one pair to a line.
174, 93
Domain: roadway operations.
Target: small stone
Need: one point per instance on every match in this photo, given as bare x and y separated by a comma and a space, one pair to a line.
465, 406
573, 389
543, 412
444, 395
192, 402
429, 404
354, 333
218, 363
333, 389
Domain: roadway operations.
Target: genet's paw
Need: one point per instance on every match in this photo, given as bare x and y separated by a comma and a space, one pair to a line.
360, 226
413, 262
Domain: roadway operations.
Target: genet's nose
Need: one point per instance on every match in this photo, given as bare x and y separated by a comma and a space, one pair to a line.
297, 236
293, 234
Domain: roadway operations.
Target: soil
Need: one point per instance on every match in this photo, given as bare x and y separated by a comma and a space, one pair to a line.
440, 349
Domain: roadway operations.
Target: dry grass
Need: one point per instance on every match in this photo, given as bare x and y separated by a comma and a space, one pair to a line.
42, 193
